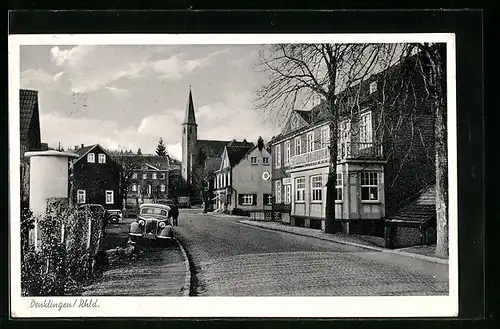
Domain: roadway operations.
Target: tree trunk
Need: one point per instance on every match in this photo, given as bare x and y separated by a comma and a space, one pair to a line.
331, 226
441, 144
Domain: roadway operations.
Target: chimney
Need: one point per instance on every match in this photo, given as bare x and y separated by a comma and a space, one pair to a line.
76, 147
82, 145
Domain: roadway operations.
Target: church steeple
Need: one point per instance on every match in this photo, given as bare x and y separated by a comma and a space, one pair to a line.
190, 117
189, 139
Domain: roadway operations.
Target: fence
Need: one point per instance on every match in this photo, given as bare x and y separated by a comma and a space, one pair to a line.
59, 250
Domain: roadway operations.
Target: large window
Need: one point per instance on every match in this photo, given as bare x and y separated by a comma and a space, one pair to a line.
298, 146
91, 157
345, 139
102, 158
134, 175
287, 152
265, 160
153, 175
339, 187
325, 137
162, 176
110, 199
134, 188
373, 87
246, 200
253, 160
80, 196
369, 186
162, 187
145, 176
365, 131
288, 194
316, 188
300, 189
277, 187
310, 141
278, 156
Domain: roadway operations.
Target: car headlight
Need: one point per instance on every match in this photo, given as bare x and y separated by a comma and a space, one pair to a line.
141, 222
162, 225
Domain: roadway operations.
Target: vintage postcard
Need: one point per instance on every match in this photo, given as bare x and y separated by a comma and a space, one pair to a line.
224, 175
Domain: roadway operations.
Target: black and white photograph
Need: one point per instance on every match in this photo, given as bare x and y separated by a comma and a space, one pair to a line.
233, 175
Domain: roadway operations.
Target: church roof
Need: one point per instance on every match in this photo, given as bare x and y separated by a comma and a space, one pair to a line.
190, 117
212, 148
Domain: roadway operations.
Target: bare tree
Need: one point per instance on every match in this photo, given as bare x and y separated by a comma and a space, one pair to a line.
431, 66
128, 162
301, 73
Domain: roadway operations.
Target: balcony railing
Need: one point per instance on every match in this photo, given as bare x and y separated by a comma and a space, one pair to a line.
368, 151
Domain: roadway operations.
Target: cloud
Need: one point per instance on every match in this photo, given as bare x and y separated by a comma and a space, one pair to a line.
72, 56
120, 93
72, 131
39, 75
90, 68
166, 125
175, 67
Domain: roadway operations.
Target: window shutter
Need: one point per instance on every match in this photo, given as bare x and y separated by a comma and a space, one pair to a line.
240, 199
254, 199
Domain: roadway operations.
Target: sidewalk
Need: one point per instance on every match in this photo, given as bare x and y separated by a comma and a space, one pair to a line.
155, 271
420, 252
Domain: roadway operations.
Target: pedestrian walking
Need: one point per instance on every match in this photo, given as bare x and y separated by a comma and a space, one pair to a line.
174, 213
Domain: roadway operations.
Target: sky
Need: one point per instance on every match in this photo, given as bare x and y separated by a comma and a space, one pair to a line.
127, 97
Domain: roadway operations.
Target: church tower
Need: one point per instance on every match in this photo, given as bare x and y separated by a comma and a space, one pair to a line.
189, 138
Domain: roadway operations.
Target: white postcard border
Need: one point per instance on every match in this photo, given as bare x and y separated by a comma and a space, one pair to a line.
327, 307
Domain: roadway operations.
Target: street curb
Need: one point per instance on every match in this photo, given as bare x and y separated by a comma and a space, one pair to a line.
392, 251
187, 280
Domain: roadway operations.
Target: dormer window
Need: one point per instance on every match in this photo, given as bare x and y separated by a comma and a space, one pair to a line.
102, 158
373, 87
91, 158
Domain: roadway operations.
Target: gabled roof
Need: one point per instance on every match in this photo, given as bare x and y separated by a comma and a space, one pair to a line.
155, 161
235, 154
28, 104
249, 151
82, 152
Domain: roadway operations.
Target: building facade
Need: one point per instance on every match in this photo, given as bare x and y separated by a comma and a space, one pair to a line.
96, 178
385, 156
243, 183
150, 179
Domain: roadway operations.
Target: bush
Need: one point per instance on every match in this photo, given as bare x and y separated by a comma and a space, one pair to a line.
65, 259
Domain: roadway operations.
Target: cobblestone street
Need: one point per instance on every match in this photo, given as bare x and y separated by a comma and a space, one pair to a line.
233, 259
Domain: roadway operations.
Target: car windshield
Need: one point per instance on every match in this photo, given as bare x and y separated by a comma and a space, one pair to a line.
153, 211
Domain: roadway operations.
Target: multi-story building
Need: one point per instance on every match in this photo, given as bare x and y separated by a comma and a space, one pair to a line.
242, 184
150, 178
96, 178
385, 157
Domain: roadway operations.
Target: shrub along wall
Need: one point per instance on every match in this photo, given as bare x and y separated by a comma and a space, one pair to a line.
68, 246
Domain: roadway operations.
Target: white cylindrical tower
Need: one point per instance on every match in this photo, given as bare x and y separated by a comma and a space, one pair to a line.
48, 178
